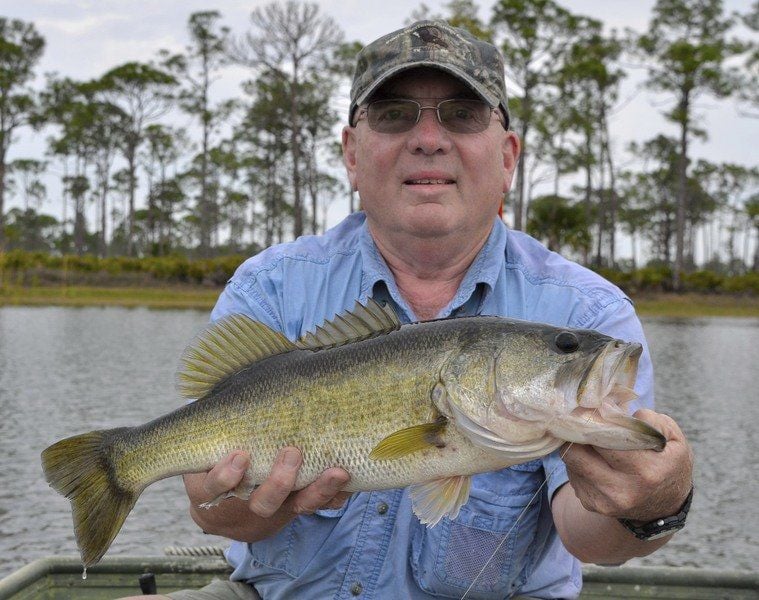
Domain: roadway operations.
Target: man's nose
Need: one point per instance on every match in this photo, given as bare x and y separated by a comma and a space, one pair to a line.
429, 136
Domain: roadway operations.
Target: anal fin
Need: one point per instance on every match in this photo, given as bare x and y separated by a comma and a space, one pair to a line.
433, 500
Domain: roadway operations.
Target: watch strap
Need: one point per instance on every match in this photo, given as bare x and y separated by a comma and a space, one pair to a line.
662, 526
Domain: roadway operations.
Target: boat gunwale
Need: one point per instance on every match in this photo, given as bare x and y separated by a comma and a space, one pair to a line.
216, 565
64, 565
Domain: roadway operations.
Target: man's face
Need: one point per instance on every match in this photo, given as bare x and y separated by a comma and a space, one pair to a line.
429, 182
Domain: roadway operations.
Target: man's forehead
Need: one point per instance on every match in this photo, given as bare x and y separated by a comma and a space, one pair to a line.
424, 83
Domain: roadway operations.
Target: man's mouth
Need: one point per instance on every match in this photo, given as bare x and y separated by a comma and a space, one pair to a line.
429, 181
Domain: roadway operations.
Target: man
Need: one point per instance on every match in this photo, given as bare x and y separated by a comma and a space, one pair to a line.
429, 151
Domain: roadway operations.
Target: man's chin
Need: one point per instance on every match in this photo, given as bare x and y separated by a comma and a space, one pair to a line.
432, 225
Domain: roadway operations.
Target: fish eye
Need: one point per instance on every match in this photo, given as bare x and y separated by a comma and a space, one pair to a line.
566, 341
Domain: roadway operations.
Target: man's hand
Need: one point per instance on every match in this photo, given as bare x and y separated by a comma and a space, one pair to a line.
276, 492
271, 505
605, 485
640, 485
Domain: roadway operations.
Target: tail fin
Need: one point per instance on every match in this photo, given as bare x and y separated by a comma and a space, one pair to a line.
81, 469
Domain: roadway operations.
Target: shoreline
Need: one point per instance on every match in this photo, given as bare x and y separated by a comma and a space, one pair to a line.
167, 297
203, 298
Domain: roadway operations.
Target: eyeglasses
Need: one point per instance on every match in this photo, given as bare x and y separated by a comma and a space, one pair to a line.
400, 115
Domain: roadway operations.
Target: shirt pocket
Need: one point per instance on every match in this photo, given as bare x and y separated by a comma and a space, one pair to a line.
289, 551
488, 543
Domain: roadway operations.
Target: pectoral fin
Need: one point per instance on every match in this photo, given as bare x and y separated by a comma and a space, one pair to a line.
411, 439
440, 498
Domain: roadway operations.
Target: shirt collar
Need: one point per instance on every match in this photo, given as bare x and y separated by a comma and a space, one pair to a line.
478, 282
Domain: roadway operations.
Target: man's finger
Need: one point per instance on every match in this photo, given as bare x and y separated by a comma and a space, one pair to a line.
226, 474
321, 493
664, 423
338, 501
583, 459
271, 494
637, 460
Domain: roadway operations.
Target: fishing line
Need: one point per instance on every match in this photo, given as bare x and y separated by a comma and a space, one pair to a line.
519, 518
524, 510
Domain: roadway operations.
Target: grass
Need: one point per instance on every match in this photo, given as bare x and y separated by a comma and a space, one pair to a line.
152, 297
696, 305
203, 298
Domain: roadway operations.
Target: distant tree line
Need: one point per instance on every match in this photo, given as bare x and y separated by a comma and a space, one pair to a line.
259, 168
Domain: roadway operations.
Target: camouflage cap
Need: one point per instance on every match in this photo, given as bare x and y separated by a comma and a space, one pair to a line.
437, 45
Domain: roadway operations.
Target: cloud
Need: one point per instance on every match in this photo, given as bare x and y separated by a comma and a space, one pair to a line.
84, 25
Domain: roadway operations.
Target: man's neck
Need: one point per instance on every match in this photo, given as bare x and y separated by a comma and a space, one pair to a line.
429, 272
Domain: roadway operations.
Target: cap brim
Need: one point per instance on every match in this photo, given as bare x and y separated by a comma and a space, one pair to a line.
473, 84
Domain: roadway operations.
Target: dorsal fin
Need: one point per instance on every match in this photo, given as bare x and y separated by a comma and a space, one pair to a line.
223, 349
363, 322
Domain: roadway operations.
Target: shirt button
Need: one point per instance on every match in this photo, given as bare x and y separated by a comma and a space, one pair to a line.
356, 589
382, 508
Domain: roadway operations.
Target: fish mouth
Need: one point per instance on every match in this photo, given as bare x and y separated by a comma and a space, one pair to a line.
600, 399
611, 376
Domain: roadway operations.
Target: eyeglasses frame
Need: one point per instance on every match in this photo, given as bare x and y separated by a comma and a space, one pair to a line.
364, 110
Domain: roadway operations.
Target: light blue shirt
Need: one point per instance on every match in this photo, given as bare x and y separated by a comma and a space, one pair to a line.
374, 547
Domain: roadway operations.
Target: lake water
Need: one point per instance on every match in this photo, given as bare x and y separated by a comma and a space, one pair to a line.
65, 371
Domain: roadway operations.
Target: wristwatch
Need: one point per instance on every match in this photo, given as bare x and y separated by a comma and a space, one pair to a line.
659, 528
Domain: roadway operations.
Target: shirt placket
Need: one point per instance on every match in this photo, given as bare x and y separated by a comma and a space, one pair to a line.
372, 544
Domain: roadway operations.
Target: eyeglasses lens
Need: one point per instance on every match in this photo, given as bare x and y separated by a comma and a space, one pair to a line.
457, 116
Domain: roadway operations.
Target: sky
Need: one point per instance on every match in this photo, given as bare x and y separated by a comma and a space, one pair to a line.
85, 38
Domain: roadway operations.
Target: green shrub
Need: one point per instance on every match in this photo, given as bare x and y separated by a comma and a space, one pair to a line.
85, 263
172, 268
653, 278
742, 284
702, 281
196, 271
18, 260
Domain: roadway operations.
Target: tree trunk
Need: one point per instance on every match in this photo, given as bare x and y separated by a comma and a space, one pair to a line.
313, 189
2, 198
613, 200
103, 249
601, 204
634, 240
206, 224
746, 242
521, 184
132, 168
269, 198
682, 196
80, 226
295, 151
588, 190
64, 208
731, 241
666, 237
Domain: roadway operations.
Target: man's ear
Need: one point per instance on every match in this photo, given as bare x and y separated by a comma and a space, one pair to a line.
349, 155
510, 150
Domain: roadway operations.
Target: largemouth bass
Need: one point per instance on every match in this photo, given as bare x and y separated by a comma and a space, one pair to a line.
425, 405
